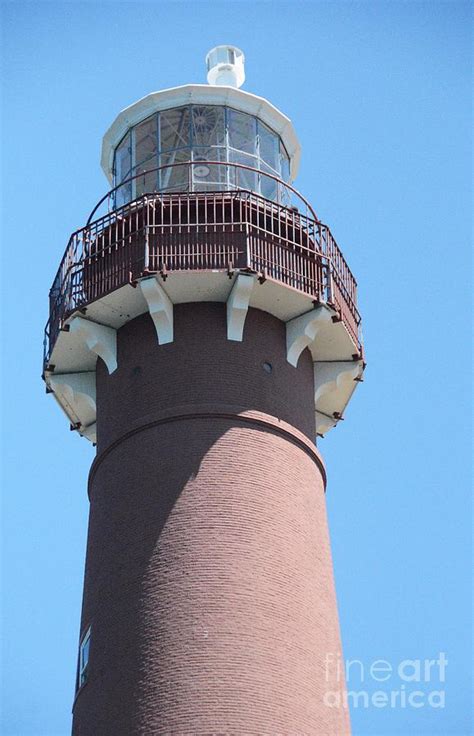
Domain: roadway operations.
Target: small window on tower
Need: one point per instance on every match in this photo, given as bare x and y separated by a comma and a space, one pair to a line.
84, 657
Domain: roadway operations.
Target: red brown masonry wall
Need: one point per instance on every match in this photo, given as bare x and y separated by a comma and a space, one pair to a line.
208, 582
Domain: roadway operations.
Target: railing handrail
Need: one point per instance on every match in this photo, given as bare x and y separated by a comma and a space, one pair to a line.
147, 195
189, 164
201, 163
315, 239
316, 251
318, 223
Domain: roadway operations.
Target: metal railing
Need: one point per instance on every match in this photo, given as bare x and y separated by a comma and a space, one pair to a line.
223, 181
162, 232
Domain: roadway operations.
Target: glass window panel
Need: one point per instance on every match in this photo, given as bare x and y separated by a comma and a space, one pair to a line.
174, 128
84, 658
123, 194
85, 653
209, 174
123, 159
268, 186
285, 163
214, 186
284, 195
242, 131
207, 153
177, 177
268, 142
208, 126
146, 183
242, 178
146, 140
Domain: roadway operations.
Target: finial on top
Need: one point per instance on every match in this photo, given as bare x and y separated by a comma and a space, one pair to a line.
225, 66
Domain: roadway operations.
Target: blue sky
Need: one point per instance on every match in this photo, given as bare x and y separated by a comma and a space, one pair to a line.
379, 94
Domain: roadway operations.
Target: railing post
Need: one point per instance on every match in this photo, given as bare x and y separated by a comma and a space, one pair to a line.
247, 240
330, 283
146, 264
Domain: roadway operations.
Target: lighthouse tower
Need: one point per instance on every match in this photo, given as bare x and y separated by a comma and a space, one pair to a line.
203, 332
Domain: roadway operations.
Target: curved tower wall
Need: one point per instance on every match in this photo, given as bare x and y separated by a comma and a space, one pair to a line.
208, 586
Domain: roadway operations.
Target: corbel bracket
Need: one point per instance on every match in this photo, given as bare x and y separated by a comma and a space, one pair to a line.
160, 307
238, 304
301, 332
90, 432
334, 383
76, 393
99, 339
335, 376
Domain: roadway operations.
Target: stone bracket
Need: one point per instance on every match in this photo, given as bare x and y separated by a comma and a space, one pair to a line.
334, 383
301, 332
334, 376
324, 423
160, 307
238, 304
76, 393
98, 338
90, 432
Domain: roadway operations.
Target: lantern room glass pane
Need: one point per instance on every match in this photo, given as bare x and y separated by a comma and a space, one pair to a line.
174, 177
123, 194
242, 131
212, 133
243, 178
123, 159
208, 125
206, 153
146, 183
146, 141
174, 128
269, 144
209, 177
268, 186
285, 163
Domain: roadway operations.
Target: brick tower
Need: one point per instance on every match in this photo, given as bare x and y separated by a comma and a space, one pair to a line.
203, 331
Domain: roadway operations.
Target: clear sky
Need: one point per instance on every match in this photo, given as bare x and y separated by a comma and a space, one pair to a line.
379, 94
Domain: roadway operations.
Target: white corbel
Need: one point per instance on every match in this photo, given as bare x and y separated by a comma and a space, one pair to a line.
89, 432
76, 393
160, 307
238, 305
301, 332
75, 384
324, 423
99, 339
335, 377
334, 383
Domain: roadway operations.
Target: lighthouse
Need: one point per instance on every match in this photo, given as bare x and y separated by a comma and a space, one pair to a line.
203, 334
